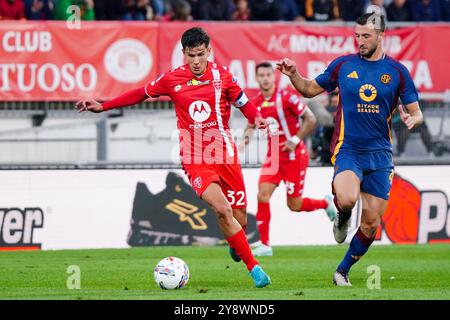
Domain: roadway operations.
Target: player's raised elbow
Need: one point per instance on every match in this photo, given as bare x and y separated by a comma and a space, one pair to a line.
312, 89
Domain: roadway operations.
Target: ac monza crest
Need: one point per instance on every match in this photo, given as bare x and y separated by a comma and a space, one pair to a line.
217, 84
198, 182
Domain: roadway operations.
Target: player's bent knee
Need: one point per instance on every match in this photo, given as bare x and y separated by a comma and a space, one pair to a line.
346, 201
224, 211
263, 197
241, 216
371, 223
294, 205
370, 226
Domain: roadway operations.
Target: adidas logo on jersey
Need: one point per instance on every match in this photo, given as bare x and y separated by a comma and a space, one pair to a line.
353, 75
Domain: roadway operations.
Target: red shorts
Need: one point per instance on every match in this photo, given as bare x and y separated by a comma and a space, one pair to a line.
228, 176
292, 172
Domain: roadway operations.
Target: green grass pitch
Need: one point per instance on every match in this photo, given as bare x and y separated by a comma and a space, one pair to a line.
407, 272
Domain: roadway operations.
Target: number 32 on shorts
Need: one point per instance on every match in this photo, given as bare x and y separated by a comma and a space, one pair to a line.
236, 198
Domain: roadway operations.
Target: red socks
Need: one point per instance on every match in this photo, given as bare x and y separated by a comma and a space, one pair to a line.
239, 243
309, 204
263, 221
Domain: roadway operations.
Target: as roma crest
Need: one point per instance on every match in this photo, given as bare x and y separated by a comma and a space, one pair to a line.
385, 78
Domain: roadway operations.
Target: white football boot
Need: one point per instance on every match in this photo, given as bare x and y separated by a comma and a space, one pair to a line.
340, 227
330, 210
341, 279
262, 251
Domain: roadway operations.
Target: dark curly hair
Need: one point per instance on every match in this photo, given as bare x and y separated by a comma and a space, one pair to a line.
194, 37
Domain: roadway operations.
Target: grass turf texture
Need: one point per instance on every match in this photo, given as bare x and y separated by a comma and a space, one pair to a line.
407, 272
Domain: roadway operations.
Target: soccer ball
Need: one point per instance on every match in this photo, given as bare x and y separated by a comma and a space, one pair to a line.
171, 273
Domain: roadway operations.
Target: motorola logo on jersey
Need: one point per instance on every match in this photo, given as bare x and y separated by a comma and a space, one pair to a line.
367, 92
199, 111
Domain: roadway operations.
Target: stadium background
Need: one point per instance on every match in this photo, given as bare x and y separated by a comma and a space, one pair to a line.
85, 181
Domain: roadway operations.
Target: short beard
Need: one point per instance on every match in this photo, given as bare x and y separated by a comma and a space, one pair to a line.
369, 54
266, 89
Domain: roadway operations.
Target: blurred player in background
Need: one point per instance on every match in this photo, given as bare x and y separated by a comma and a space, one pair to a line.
370, 84
283, 110
202, 92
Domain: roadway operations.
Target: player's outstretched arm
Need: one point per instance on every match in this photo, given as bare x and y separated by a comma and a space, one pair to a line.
127, 99
89, 105
308, 88
414, 117
253, 115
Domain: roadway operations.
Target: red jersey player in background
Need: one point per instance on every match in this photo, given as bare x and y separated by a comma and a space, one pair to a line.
202, 93
282, 109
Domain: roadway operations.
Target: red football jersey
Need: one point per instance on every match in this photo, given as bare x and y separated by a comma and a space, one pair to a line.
203, 107
282, 111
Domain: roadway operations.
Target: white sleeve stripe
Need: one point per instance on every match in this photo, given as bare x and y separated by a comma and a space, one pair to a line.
145, 89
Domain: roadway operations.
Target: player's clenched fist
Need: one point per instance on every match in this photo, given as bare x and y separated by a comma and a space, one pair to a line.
287, 66
89, 105
407, 119
260, 123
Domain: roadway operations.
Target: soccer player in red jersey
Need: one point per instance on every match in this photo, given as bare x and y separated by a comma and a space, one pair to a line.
203, 92
282, 109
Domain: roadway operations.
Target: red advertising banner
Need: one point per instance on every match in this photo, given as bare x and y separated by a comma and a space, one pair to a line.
48, 61
243, 45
